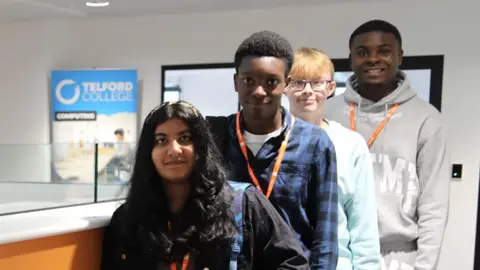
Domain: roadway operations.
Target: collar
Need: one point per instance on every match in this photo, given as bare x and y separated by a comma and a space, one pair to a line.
286, 125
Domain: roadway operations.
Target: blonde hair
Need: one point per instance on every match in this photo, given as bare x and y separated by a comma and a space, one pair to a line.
310, 63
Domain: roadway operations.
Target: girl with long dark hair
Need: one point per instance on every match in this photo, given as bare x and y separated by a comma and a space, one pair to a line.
179, 214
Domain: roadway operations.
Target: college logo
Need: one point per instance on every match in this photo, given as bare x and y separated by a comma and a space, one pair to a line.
61, 98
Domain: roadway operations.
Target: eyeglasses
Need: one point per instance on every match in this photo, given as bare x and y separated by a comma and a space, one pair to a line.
316, 85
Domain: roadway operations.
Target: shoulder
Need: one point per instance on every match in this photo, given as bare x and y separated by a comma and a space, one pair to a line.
118, 220
432, 119
419, 105
215, 121
312, 135
335, 107
335, 101
248, 193
220, 127
119, 214
230, 118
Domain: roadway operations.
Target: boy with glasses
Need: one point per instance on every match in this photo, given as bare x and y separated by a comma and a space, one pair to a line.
311, 82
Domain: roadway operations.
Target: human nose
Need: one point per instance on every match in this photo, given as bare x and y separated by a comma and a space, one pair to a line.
174, 149
373, 57
259, 91
307, 90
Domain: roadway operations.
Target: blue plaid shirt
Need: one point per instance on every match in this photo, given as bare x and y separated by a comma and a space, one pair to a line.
305, 193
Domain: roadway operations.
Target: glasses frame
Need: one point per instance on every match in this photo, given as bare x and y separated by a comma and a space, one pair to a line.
305, 82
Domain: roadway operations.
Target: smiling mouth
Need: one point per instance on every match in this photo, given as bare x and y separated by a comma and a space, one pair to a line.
175, 162
374, 70
259, 103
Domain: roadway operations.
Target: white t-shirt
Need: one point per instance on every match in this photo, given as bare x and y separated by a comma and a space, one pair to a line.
255, 142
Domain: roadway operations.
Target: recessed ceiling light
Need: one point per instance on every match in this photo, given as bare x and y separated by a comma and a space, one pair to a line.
97, 4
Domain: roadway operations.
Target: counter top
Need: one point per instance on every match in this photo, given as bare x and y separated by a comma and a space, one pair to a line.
44, 223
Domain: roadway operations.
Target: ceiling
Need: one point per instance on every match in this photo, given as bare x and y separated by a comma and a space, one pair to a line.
23, 10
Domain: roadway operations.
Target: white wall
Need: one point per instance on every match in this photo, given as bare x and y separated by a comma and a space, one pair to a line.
29, 51
200, 87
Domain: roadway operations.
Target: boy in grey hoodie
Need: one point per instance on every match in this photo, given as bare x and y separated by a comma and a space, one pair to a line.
407, 140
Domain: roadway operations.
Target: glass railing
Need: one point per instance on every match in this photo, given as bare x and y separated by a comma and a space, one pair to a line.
38, 177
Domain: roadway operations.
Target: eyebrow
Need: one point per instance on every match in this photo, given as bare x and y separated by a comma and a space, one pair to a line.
253, 73
246, 73
161, 134
379, 46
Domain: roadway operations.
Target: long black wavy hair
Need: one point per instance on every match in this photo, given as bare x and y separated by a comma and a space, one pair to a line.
206, 215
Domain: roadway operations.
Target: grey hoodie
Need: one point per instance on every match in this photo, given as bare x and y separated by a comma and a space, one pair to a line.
411, 167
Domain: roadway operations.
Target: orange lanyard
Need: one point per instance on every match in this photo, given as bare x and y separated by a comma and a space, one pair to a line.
186, 258
380, 126
276, 167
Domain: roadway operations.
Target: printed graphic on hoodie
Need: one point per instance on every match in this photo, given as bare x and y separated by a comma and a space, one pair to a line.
397, 178
396, 265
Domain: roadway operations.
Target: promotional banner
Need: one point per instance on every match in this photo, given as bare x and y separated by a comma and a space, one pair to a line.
88, 107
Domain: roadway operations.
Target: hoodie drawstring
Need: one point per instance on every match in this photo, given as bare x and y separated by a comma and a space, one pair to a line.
381, 126
382, 144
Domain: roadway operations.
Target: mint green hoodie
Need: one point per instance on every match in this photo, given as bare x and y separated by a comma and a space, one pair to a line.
411, 167
358, 244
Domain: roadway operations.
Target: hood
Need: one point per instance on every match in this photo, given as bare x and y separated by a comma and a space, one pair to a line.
401, 94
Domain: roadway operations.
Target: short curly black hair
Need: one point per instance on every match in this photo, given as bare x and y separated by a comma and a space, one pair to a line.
265, 43
376, 26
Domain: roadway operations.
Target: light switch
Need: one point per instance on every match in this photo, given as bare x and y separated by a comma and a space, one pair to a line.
457, 170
